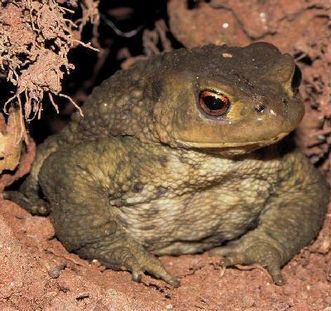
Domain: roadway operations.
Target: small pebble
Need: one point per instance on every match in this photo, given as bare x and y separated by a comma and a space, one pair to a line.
227, 55
328, 274
55, 272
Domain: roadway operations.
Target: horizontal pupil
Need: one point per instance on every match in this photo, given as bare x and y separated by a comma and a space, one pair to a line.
213, 103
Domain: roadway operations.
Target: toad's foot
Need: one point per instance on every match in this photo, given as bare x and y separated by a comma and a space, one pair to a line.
246, 252
140, 261
132, 257
35, 205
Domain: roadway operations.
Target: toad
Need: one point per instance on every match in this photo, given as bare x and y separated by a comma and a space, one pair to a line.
181, 154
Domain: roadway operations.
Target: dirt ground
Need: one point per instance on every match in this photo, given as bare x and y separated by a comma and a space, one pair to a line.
37, 273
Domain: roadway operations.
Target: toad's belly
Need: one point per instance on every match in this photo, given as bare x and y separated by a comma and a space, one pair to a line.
192, 223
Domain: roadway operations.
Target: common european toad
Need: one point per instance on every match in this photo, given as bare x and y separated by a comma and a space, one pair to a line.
181, 154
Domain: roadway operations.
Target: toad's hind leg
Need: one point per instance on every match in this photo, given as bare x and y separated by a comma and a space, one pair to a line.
291, 220
83, 218
28, 194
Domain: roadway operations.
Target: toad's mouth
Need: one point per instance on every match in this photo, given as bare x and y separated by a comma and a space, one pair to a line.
233, 147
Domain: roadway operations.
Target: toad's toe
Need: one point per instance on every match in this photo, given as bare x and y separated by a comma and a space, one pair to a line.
246, 254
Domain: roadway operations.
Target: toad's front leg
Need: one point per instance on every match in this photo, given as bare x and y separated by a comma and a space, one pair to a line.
290, 221
116, 250
78, 183
94, 237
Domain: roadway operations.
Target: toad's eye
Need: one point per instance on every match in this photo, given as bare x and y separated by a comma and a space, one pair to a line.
213, 104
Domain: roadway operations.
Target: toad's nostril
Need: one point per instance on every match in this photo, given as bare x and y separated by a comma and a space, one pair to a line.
260, 108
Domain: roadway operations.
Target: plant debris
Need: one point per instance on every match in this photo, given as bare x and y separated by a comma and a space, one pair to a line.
35, 39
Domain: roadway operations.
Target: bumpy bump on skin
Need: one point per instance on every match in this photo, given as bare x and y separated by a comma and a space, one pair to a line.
146, 172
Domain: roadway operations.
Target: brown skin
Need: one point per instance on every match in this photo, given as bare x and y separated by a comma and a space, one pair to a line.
149, 171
